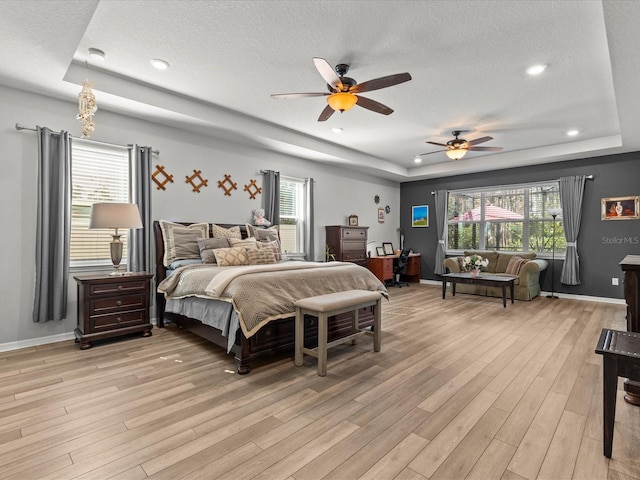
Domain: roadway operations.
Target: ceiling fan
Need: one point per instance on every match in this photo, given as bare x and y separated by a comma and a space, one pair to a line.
344, 92
458, 147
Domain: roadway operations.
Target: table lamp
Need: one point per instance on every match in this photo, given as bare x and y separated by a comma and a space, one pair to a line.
115, 215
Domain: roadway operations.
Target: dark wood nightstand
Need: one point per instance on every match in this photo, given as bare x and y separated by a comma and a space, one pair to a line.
112, 306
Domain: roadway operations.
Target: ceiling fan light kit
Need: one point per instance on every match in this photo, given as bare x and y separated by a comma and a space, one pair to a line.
456, 153
342, 101
458, 147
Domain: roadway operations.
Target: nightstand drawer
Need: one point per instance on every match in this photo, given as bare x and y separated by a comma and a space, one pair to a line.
104, 305
110, 288
118, 320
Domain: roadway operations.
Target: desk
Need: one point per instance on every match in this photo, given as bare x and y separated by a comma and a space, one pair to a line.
621, 358
382, 267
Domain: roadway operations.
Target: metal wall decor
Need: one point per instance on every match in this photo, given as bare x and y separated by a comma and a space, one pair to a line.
227, 189
161, 183
196, 175
253, 189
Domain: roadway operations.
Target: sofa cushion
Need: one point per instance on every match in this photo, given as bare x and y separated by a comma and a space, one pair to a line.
504, 258
515, 264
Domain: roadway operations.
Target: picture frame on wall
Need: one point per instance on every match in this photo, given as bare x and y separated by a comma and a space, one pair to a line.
620, 208
380, 251
388, 248
381, 215
420, 216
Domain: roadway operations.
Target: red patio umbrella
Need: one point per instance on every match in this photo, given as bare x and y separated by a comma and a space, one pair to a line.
491, 212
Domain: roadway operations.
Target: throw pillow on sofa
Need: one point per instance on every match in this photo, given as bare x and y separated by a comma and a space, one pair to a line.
515, 264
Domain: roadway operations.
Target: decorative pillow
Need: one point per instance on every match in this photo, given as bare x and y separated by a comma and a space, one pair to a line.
260, 256
515, 264
233, 232
245, 242
184, 262
461, 262
273, 246
263, 234
208, 245
232, 256
181, 241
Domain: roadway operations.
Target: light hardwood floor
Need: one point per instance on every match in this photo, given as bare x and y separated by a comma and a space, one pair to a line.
463, 388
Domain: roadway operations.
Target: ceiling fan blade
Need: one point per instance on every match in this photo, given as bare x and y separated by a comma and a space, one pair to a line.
382, 82
299, 95
429, 153
326, 113
439, 144
486, 149
479, 140
328, 73
373, 105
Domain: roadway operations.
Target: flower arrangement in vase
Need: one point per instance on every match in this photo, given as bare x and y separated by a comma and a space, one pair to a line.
474, 264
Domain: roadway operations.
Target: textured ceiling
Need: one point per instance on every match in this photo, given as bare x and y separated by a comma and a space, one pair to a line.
467, 60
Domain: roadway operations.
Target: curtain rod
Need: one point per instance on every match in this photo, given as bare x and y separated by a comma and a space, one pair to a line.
588, 177
22, 127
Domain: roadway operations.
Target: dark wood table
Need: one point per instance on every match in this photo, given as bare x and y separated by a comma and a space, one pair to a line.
620, 358
483, 279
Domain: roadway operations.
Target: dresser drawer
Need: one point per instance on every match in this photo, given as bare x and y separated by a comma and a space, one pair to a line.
105, 305
354, 256
123, 287
353, 246
117, 320
354, 233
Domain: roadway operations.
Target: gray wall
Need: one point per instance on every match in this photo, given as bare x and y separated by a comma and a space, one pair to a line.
601, 244
339, 192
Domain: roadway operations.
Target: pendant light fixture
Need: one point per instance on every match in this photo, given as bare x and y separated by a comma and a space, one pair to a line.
86, 106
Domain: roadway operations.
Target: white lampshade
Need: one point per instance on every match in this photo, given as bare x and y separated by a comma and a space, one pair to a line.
115, 215
554, 212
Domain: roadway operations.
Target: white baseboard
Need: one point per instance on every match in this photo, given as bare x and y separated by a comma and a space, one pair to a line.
586, 298
34, 342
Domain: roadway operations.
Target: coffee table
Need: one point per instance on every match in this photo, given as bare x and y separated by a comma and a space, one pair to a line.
482, 279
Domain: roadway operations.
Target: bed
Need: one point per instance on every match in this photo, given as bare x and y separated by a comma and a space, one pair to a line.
248, 310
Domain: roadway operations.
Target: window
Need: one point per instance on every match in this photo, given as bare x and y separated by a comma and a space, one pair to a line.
98, 174
292, 215
509, 218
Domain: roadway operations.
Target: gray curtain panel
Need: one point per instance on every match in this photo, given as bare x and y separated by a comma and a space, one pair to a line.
309, 229
271, 195
441, 228
571, 193
53, 228
140, 255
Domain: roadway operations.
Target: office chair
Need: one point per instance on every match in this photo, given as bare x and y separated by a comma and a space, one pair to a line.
400, 267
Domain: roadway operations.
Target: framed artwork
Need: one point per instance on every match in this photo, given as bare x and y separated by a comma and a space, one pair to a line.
620, 208
388, 248
380, 251
381, 215
420, 216
353, 220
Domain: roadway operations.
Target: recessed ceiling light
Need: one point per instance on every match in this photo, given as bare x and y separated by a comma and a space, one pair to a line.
536, 69
417, 159
337, 130
573, 133
159, 63
96, 54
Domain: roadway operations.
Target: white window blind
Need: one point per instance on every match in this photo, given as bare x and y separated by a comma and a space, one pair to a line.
99, 173
505, 218
292, 215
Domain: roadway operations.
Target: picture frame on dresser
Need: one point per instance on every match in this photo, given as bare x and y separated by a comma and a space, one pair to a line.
380, 251
388, 248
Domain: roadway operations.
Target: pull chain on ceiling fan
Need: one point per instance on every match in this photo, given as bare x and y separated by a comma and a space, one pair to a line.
458, 147
344, 92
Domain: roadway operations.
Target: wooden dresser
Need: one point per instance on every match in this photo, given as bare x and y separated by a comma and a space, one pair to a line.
631, 267
112, 306
348, 243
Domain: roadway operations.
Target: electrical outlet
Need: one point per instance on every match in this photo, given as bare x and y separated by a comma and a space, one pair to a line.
614, 281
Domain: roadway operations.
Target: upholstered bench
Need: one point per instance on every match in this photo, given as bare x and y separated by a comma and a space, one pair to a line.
325, 306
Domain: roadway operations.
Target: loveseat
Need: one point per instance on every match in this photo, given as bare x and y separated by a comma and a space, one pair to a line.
527, 284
